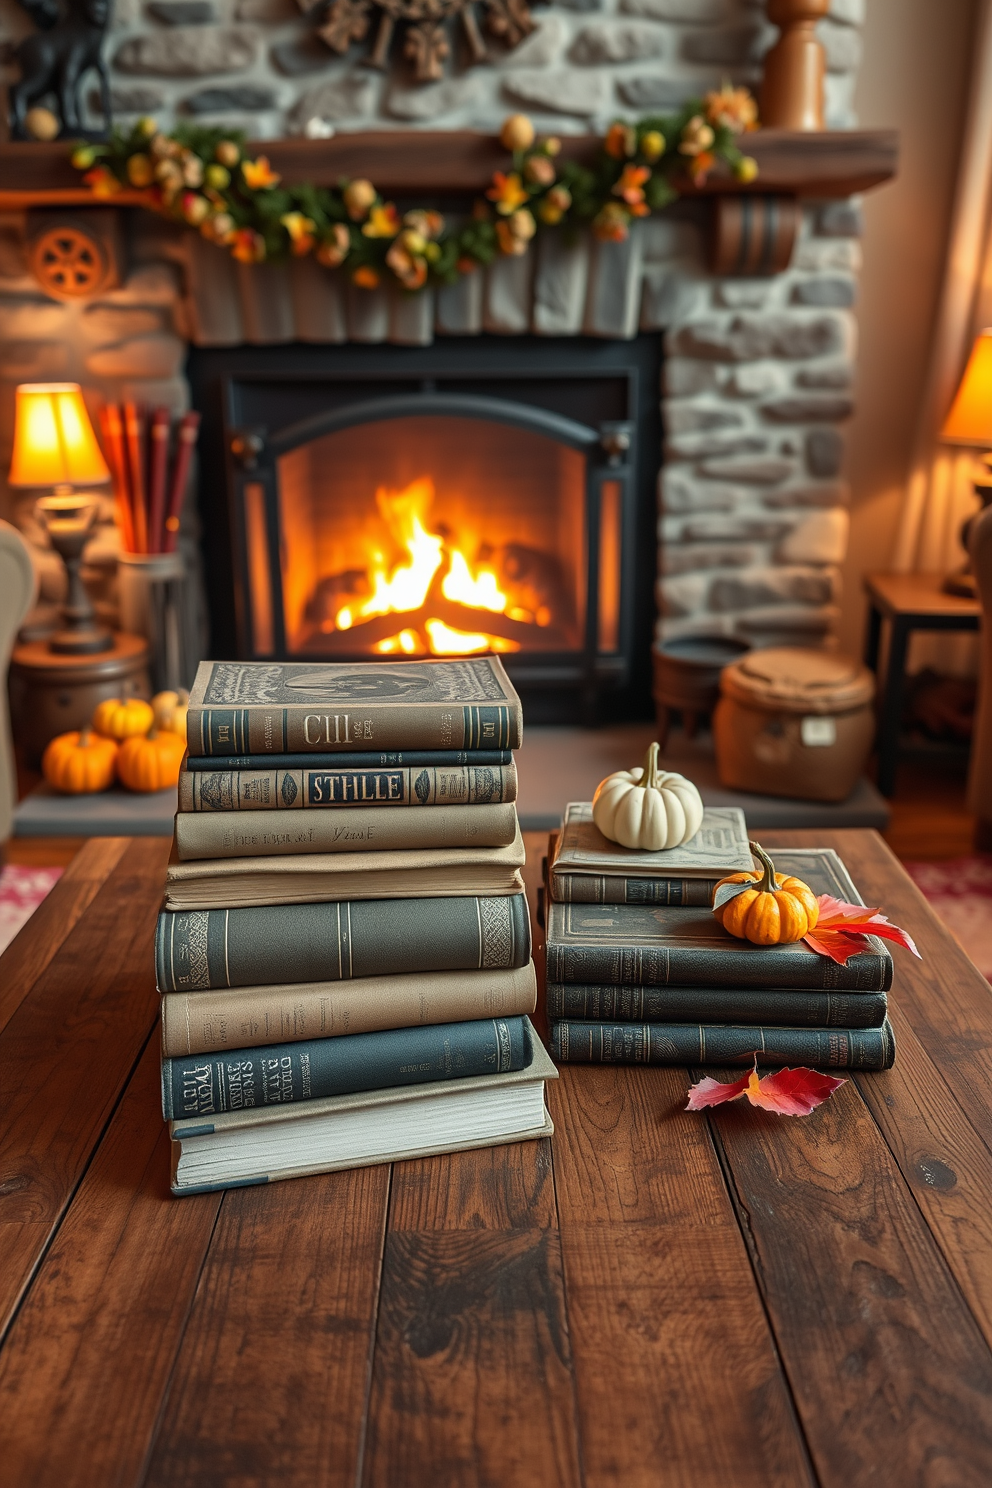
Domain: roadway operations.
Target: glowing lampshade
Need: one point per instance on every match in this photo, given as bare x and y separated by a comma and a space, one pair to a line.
54, 443
970, 418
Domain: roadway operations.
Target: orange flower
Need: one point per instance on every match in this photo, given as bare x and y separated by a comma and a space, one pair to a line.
621, 140
247, 246
611, 223
259, 175
384, 222
410, 270
101, 181
334, 248
507, 192
630, 187
365, 277
302, 232
733, 108
700, 167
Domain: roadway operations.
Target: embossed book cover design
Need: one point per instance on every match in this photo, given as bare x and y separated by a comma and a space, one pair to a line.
719, 847
655, 945
291, 707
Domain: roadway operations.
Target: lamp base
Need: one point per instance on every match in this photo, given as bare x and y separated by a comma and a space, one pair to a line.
86, 641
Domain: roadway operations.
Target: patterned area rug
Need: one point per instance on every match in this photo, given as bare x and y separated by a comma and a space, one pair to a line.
960, 892
21, 891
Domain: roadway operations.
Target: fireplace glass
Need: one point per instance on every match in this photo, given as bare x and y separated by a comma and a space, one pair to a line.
432, 535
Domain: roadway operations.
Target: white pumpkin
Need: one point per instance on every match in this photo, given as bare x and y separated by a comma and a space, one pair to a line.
646, 807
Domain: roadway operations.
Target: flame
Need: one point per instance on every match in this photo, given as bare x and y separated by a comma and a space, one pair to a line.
406, 586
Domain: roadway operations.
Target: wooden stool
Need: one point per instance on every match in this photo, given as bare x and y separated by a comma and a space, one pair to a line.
51, 693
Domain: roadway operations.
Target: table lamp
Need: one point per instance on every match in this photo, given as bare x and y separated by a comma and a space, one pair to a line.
54, 446
970, 422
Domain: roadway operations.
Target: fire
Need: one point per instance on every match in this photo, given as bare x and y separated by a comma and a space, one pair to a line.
406, 585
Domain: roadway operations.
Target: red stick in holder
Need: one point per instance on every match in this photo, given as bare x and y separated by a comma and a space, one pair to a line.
113, 439
158, 462
134, 427
189, 428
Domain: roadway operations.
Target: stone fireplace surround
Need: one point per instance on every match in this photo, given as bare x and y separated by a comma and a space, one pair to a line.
758, 371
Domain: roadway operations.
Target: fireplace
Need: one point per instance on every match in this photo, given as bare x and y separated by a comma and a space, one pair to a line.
491, 494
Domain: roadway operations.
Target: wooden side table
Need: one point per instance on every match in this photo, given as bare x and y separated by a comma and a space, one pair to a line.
908, 602
51, 693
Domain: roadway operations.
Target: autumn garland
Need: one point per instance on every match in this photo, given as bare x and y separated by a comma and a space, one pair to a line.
203, 177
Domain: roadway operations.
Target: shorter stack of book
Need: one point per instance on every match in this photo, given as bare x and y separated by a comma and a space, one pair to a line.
344, 951
639, 970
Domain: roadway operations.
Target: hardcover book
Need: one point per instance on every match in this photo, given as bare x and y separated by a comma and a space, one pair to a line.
586, 868
289, 707
246, 1017
375, 760
307, 878
751, 1005
334, 788
671, 1043
282, 1074
654, 945
266, 1143
346, 829
334, 942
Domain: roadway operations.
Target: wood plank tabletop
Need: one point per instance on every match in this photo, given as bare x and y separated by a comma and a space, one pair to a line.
650, 1297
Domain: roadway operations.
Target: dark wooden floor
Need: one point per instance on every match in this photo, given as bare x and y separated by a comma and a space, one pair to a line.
652, 1297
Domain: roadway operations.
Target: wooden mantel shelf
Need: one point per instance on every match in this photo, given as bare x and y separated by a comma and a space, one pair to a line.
835, 163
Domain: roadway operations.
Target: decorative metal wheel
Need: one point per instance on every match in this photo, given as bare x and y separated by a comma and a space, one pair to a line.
68, 262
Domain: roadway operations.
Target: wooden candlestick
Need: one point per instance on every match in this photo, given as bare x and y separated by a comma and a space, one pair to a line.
792, 87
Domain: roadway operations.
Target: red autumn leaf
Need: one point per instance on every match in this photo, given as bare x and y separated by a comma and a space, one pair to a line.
841, 929
787, 1092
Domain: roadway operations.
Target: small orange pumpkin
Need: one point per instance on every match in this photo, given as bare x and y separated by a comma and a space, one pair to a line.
117, 719
777, 911
150, 762
80, 763
170, 709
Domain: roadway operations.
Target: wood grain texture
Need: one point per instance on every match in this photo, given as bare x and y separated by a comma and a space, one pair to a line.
69, 1048
831, 163
29, 953
87, 1360
271, 1386
660, 1292
472, 1376
496, 1188
885, 1361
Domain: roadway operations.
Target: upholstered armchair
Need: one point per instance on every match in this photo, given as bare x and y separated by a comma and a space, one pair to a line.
980, 781
17, 593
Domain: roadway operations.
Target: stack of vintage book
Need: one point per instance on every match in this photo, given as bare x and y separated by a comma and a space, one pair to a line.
639, 971
344, 950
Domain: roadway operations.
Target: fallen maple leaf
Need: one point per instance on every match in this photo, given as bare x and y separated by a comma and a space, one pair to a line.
787, 1092
841, 929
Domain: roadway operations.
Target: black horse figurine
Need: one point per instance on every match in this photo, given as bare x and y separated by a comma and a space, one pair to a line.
56, 59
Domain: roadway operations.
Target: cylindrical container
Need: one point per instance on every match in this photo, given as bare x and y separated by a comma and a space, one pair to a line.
51, 694
794, 722
152, 596
687, 675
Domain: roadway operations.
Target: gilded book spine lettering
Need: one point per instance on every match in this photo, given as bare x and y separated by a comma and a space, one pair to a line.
281, 1074
290, 789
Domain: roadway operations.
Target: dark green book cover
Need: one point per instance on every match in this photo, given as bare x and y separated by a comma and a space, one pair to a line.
279, 1074
659, 945
674, 1043
752, 1005
378, 760
331, 942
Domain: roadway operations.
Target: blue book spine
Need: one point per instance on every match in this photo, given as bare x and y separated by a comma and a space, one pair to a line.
415, 759
280, 1074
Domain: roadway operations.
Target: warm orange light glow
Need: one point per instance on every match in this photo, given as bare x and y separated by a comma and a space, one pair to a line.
54, 443
406, 586
970, 418
445, 641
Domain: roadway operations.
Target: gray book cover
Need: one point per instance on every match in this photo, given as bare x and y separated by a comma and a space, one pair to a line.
719, 847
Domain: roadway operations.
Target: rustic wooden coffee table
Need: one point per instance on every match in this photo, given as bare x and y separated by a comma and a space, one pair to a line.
651, 1298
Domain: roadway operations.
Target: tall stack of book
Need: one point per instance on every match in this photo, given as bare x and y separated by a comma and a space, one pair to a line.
344, 950
639, 971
